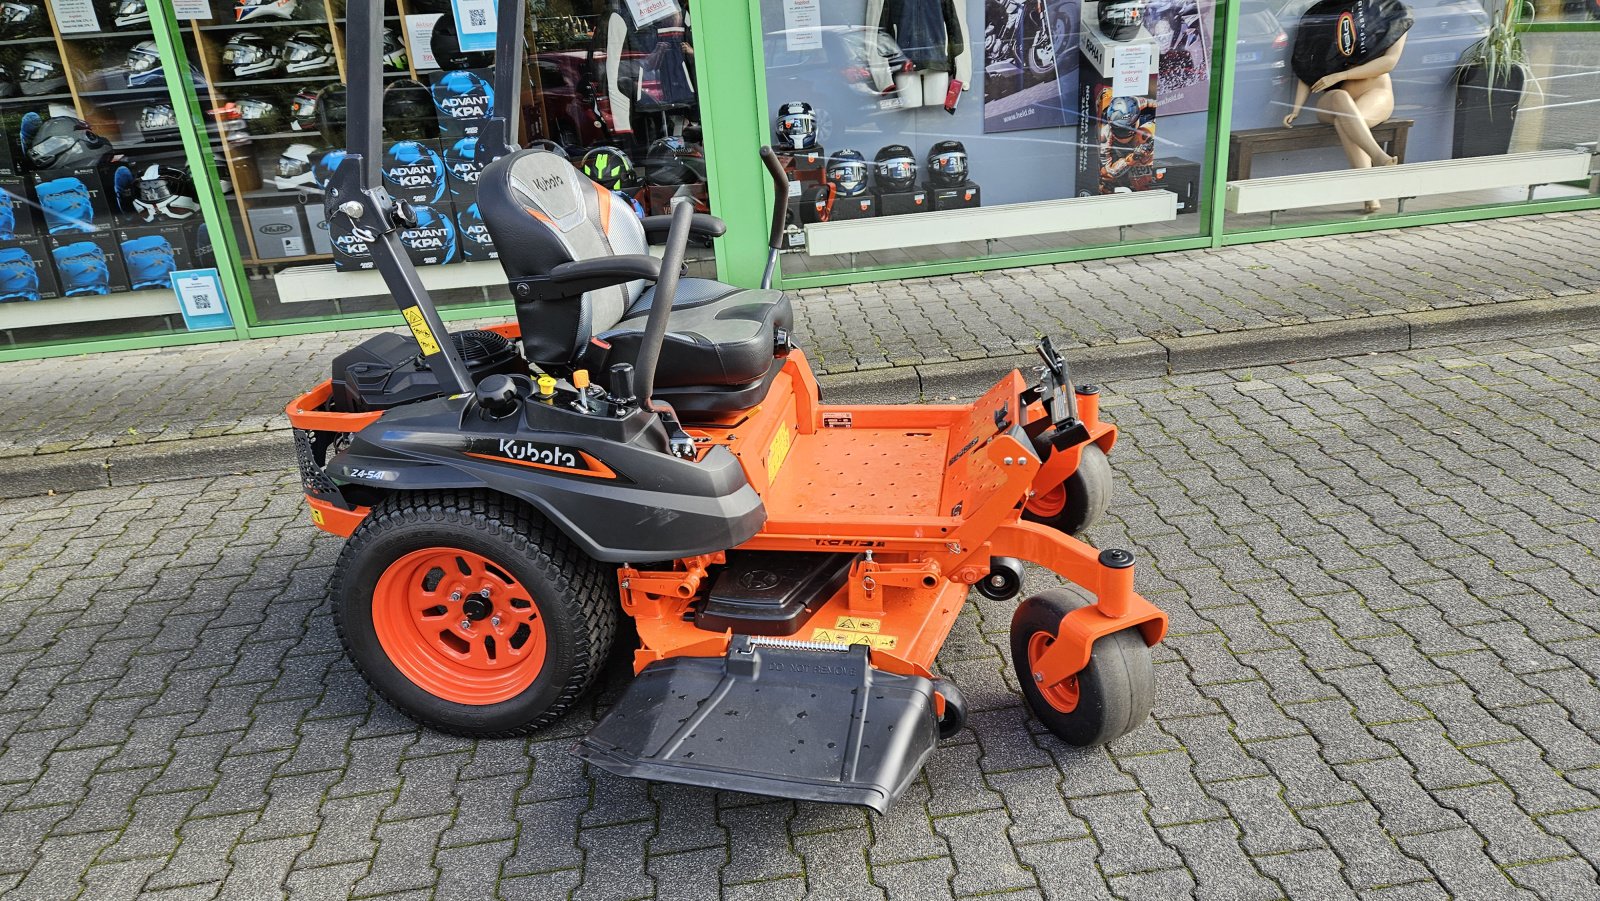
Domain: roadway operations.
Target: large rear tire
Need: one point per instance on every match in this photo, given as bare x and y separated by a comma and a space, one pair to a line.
1108, 699
470, 614
1080, 501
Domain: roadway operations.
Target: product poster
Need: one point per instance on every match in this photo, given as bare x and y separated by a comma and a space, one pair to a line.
1030, 64
1182, 29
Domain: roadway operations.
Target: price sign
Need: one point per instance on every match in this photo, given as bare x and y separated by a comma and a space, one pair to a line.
200, 299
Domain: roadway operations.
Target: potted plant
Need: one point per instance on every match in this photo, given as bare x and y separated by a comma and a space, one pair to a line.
1489, 83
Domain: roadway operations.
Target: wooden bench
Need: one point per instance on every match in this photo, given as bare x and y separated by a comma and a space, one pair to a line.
1244, 145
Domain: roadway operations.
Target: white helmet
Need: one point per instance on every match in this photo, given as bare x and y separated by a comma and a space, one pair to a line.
252, 10
131, 12
250, 54
295, 167
164, 194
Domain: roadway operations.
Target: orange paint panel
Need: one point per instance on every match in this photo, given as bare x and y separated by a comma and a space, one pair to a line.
305, 412
859, 473
329, 518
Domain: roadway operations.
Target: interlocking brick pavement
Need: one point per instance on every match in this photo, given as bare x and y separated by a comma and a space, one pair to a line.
105, 400
1380, 684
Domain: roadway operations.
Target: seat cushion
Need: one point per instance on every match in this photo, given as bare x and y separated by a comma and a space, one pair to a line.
716, 335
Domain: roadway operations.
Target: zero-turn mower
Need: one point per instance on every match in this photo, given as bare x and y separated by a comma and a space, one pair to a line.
638, 444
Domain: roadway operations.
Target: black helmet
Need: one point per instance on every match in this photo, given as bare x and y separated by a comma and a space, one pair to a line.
64, 142
896, 168
249, 53
847, 172
260, 117
307, 51
165, 193
947, 164
332, 113
303, 110
674, 161
394, 51
8, 85
1120, 20
610, 167
408, 111
42, 72
158, 122
796, 128
447, 50
549, 146
21, 19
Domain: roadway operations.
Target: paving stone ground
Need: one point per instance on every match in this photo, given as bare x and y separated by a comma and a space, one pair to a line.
102, 400
1380, 684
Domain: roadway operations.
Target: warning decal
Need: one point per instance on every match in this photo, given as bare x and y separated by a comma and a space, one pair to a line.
838, 636
419, 328
858, 624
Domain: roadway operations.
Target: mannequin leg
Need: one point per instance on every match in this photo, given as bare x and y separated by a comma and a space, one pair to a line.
1353, 119
909, 86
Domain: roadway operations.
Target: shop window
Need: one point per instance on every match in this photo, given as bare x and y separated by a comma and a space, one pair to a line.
96, 210
274, 76
920, 131
1392, 81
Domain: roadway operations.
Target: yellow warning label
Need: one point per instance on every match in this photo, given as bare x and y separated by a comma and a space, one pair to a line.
419, 328
837, 636
858, 624
778, 451
316, 517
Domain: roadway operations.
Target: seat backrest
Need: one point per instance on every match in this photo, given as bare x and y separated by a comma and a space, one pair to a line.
542, 212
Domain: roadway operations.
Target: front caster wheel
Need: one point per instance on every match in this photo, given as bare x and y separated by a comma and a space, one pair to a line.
470, 614
1081, 500
955, 709
1106, 700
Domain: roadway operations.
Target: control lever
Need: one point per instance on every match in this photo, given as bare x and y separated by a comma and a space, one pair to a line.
678, 441
622, 397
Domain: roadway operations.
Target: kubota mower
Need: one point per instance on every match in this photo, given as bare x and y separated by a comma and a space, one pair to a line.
644, 445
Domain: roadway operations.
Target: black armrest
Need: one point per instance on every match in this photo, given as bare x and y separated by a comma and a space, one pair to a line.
702, 225
571, 280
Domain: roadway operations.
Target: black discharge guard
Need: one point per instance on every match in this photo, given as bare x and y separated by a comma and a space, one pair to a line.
800, 720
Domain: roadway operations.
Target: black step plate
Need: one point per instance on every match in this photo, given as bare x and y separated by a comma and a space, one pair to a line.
804, 722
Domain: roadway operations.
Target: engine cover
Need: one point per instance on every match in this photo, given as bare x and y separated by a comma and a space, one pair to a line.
387, 370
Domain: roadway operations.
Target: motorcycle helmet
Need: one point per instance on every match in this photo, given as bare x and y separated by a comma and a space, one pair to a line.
20, 20
307, 51
303, 110
895, 168
158, 122
847, 172
255, 10
674, 161
42, 73
608, 166
8, 84
165, 193
476, 242
130, 12
461, 163
66, 205
408, 111
83, 270
463, 95
332, 113
1123, 116
65, 142
325, 165
150, 261
1120, 20
447, 50
260, 117
947, 164
549, 146
414, 170
394, 51
796, 128
250, 54
144, 65
295, 167
19, 278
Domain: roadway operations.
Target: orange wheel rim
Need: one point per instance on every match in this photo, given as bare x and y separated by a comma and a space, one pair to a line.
459, 626
1063, 696
1050, 504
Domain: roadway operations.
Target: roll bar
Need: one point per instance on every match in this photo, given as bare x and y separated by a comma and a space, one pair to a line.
355, 191
780, 210
655, 329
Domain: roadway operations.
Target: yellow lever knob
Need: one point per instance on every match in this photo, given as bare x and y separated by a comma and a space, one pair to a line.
547, 386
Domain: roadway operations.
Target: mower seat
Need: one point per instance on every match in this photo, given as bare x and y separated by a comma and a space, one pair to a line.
722, 346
